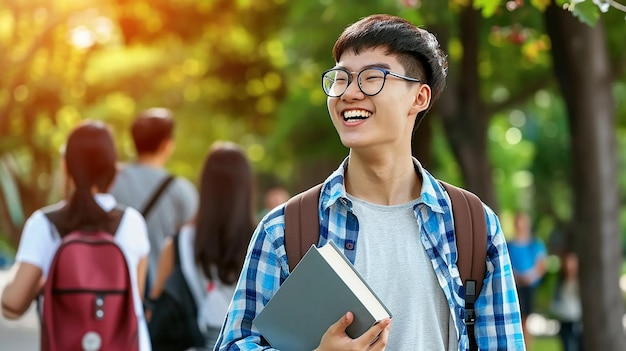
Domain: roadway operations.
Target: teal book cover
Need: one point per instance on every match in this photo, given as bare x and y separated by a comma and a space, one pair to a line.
320, 290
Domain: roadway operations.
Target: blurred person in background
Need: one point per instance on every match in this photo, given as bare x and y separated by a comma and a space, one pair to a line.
528, 259
274, 196
138, 182
213, 246
90, 166
566, 304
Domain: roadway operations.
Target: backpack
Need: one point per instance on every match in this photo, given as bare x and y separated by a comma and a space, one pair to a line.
173, 325
88, 295
301, 216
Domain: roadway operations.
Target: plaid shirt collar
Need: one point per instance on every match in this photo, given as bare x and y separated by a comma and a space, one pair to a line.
432, 193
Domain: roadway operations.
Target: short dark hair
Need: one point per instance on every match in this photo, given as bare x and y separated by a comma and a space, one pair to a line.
151, 128
417, 49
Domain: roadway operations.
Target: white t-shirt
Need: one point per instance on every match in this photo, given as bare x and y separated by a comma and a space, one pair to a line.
38, 246
405, 280
212, 297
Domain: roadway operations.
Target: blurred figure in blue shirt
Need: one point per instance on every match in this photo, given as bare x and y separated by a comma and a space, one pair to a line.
528, 258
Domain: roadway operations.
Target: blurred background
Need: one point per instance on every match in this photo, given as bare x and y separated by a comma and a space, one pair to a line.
533, 117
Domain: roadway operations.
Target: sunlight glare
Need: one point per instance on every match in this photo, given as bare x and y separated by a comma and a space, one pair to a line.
523, 179
517, 118
90, 29
543, 99
81, 37
103, 29
513, 136
256, 152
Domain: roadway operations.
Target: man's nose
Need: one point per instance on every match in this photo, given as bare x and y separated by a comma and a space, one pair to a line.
353, 91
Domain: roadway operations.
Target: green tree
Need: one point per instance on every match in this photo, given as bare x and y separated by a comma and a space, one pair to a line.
215, 63
585, 75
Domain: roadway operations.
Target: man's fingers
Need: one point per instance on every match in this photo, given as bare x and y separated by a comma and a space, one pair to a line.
375, 331
381, 340
342, 323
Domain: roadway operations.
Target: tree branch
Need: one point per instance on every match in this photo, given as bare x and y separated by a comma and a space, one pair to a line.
617, 5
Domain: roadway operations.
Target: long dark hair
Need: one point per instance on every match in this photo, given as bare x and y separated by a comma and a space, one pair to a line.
225, 222
90, 160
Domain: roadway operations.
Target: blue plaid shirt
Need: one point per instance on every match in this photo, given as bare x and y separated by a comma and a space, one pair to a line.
498, 322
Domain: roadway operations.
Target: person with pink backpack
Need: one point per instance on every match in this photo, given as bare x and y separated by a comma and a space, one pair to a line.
84, 258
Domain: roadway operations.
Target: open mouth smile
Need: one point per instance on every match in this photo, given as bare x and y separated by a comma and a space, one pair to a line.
355, 115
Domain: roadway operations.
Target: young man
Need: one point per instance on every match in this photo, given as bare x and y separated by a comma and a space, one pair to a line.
390, 216
135, 184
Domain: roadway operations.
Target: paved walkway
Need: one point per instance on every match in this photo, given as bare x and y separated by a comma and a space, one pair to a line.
21, 334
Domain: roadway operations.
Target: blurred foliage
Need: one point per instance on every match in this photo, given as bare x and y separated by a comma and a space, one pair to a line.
249, 71
217, 64
529, 136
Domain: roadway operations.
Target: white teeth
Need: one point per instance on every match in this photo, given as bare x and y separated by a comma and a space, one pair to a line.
356, 114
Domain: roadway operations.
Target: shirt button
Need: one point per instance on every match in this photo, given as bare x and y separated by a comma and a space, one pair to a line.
349, 245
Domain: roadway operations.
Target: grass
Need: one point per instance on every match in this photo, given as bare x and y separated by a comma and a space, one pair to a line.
546, 344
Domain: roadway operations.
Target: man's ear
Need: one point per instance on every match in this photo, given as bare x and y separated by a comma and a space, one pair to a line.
421, 99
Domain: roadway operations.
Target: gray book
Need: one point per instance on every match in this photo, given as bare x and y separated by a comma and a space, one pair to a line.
319, 291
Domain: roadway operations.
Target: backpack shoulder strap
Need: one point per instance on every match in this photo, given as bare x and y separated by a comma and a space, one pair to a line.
470, 230
176, 243
156, 195
469, 227
302, 224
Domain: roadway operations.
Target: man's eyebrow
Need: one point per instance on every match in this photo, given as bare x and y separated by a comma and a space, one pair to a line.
378, 65
373, 65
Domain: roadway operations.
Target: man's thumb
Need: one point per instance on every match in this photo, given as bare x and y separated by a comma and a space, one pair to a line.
346, 320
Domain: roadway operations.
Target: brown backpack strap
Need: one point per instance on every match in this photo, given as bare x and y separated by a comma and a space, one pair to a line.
302, 224
470, 230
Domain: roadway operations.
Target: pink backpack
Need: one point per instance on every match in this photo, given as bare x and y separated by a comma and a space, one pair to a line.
88, 296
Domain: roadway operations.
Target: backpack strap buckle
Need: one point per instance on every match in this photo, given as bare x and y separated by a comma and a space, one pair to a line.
470, 298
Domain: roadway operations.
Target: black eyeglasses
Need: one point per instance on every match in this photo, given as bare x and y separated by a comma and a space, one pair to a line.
371, 81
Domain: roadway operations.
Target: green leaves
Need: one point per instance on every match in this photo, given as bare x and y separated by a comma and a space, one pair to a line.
488, 7
586, 11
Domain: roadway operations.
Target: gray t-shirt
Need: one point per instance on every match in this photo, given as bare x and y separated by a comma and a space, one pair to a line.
395, 264
134, 186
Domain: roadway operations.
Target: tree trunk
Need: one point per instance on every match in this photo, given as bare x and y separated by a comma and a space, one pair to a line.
581, 65
464, 119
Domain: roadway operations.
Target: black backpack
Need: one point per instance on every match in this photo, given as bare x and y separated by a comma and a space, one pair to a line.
302, 229
174, 322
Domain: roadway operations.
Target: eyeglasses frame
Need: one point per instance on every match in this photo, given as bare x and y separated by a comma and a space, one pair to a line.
386, 73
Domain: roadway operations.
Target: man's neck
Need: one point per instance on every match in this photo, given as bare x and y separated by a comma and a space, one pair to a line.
384, 181
151, 160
